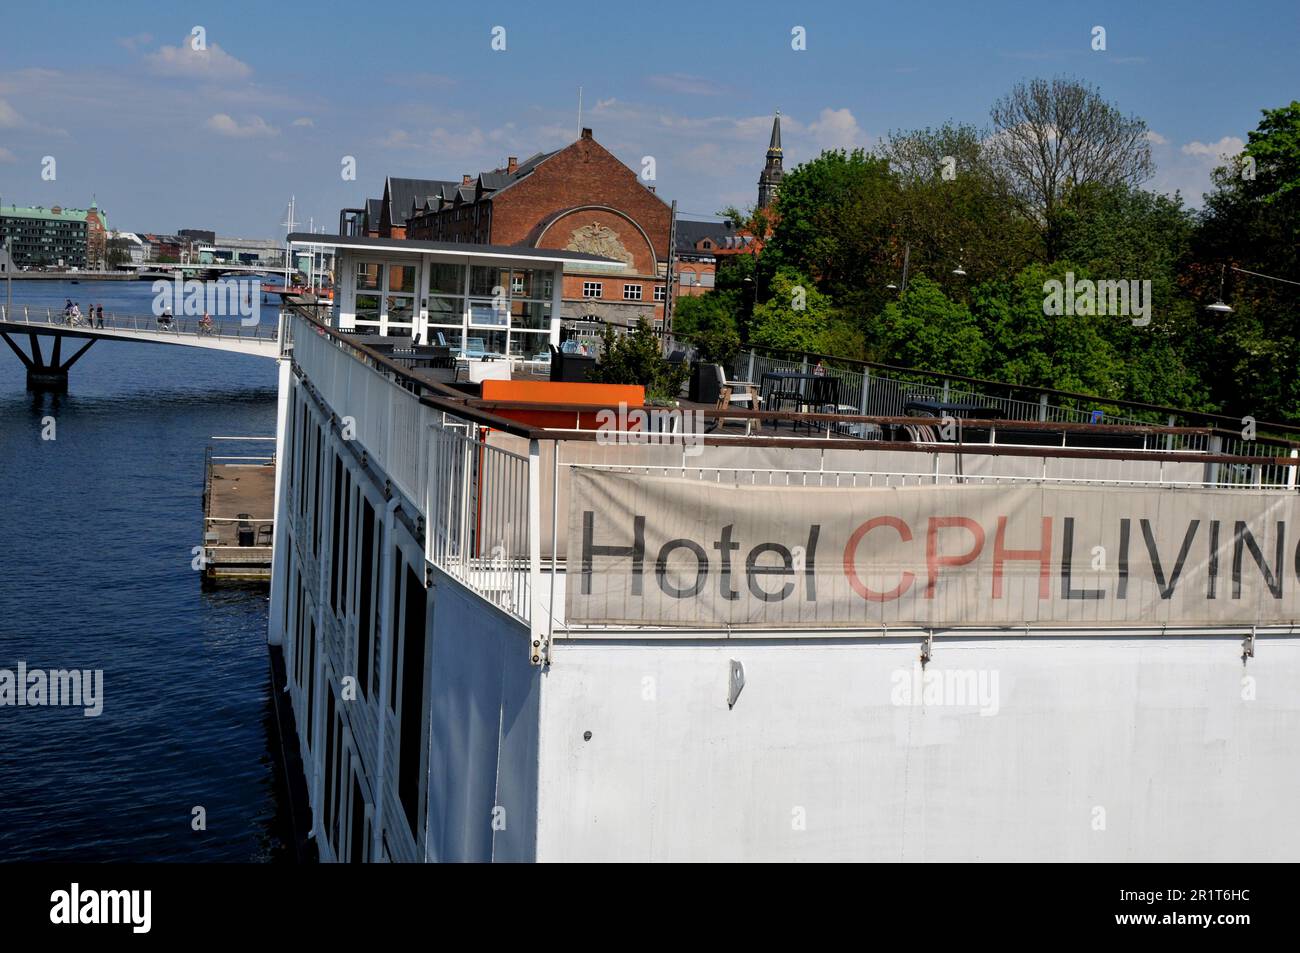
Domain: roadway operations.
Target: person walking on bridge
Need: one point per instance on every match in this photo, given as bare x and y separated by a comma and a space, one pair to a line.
99, 316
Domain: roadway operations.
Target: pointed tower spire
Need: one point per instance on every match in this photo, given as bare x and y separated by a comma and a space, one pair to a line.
770, 180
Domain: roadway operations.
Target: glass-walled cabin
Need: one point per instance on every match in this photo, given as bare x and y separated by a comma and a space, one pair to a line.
480, 302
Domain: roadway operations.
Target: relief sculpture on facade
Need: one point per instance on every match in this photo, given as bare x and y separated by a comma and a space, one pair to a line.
597, 239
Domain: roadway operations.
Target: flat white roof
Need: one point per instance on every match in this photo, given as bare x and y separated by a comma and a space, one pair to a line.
404, 246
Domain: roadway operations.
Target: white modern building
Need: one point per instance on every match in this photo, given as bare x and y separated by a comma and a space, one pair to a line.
479, 299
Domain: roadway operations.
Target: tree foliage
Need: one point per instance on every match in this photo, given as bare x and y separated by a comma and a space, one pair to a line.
637, 358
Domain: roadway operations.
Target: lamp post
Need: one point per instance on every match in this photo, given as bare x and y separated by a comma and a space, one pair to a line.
1219, 307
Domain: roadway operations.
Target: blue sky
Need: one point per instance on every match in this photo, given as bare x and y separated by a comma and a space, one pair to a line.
167, 138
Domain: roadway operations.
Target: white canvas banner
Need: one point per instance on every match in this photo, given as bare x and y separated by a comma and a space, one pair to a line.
680, 552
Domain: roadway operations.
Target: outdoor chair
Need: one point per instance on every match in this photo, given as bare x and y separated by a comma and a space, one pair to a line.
726, 398
740, 392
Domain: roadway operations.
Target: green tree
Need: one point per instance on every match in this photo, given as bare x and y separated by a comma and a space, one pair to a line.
795, 318
927, 330
1251, 220
636, 358
709, 322
835, 217
1054, 135
1028, 346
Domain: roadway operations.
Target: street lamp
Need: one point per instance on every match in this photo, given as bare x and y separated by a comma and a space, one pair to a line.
1219, 307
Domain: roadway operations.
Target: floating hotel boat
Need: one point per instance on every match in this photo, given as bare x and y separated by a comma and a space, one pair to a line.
508, 631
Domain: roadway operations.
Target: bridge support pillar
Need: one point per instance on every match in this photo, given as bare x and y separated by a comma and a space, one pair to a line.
43, 375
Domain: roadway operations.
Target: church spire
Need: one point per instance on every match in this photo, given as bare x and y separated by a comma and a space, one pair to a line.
770, 180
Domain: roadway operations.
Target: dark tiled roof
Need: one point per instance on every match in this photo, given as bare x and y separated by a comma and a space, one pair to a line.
402, 193
690, 233
374, 209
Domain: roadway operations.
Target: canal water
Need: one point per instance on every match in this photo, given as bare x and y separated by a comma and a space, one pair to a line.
96, 531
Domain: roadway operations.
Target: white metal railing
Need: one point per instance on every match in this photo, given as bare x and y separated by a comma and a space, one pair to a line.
477, 517
473, 496
970, 467
219, 330
384, 417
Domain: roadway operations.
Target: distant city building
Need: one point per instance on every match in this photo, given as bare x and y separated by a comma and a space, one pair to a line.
40, 237
167, 248
700, 246
198, 235
126, 250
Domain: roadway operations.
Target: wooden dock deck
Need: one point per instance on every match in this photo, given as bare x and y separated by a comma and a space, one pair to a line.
238, 518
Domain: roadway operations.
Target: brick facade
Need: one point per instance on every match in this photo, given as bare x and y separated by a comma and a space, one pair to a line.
582, 198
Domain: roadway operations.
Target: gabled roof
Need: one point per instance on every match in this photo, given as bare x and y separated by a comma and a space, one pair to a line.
690, 233
402, 194
524, 169
374, 209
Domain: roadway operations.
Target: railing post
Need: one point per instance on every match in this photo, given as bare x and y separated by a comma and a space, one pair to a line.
1211, 469
1042, 407
749, 376
538, 650
866, 389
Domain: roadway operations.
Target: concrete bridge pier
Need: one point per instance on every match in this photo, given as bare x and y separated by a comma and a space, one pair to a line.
42, 375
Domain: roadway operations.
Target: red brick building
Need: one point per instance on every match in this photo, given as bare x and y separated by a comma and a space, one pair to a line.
579, 198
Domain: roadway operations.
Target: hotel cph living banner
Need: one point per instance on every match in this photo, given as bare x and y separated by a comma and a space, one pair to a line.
670, 551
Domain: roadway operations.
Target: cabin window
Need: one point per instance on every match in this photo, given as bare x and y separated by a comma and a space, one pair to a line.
331, 746
366, 569
395, 627
370, 276
357, 848
412, 707
336, 534
446, 279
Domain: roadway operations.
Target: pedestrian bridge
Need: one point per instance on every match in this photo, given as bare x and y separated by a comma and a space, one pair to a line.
259, 340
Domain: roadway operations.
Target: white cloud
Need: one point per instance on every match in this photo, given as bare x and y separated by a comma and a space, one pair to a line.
224, 125
6, 155
1156, 139
1225, 148
1188, 168
835, 129
8, 116
303, 121
184, 61
685, 84
133, 43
